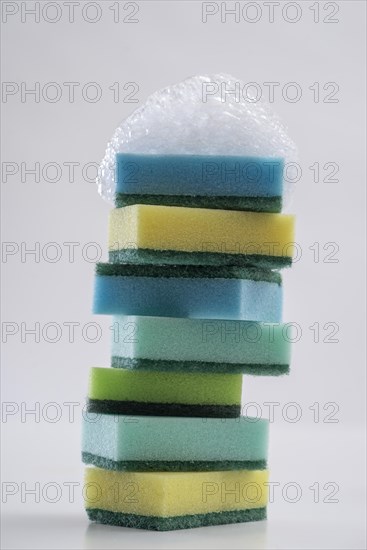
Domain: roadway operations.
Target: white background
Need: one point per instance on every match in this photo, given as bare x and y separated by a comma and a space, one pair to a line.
167, 44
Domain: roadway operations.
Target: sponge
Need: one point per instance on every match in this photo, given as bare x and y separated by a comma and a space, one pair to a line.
200, 345
163, 501
188, 291
172, 235
123, 391
208, 181
163, 443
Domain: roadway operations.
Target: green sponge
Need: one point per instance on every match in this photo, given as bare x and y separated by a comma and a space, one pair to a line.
175, 500
200, 345
144, 443
123, 391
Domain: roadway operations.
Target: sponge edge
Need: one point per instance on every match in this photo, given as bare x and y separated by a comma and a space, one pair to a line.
148, 443
187, 499
199, 345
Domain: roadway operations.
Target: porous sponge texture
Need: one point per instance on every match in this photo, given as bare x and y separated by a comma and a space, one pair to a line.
175, 440
175, 494
199, 175
179, 291
199, 230
156, 387
204, 345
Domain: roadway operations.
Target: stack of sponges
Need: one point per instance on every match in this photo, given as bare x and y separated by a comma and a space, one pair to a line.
197, 303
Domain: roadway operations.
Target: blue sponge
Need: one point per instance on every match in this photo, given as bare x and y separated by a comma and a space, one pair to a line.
209, 181
188, 291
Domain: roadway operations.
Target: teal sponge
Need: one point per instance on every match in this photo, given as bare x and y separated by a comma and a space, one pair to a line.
200, 345
144, 443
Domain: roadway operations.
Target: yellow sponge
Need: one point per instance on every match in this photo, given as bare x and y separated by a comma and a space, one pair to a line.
174, 500
169, 234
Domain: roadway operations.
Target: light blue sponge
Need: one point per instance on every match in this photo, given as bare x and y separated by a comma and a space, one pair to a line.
188, 291
162, 443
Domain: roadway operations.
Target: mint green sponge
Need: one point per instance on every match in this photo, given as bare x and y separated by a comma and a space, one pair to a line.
144, 443
199, 345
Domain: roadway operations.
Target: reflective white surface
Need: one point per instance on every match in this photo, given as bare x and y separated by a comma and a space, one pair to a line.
74, 532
